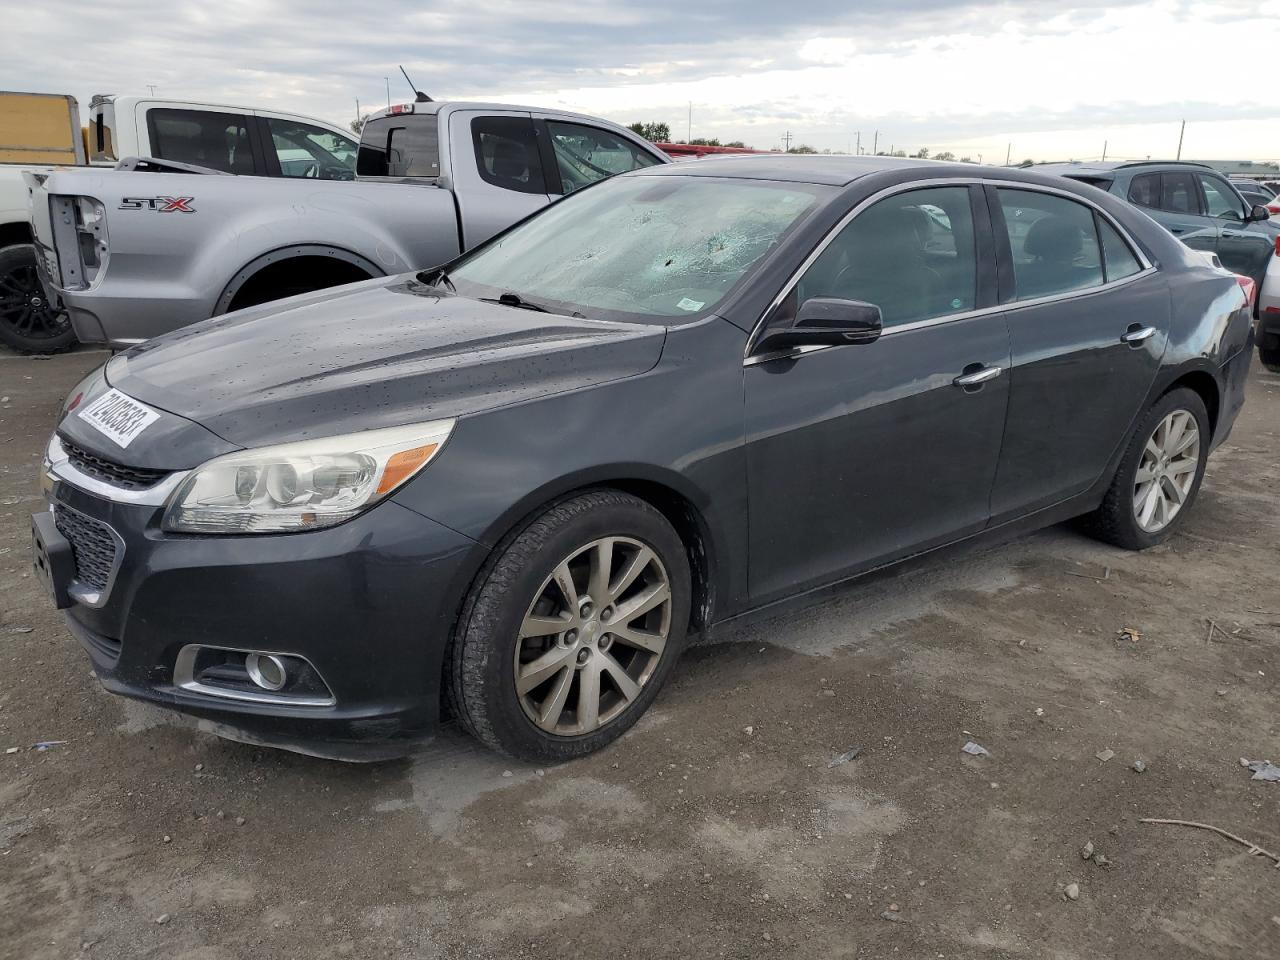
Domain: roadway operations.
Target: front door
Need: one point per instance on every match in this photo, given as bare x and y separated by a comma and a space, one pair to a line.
1088, 324
497, 171
1243, 246
862, 454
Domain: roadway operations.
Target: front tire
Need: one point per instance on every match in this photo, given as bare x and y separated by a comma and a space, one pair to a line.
27, 323
572, 629
1159, 475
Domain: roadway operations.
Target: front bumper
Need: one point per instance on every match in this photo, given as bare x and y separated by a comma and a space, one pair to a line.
369, 604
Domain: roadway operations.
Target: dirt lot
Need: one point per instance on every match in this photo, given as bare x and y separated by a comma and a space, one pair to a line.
717, 827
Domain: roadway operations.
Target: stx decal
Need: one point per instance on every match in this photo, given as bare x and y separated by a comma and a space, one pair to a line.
159, 204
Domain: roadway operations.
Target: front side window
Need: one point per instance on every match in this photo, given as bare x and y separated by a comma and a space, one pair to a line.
219, 141
587, 154
1053, 243
1178, 193
1221, 200
507, 153
640, 247
308, 151
911, 254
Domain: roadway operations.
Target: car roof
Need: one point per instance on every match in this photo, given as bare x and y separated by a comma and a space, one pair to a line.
822, 169
1101, 168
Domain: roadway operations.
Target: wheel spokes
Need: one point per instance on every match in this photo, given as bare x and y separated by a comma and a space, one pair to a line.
539, 671
553, 706
627, 576
642, 602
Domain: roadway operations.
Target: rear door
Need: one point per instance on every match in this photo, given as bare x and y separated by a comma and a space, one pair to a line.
1088, 323
1174, 201
497, 169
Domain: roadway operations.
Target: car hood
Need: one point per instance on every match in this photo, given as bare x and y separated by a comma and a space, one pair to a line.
379, 353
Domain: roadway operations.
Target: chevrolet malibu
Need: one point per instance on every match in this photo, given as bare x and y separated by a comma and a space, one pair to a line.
505, 492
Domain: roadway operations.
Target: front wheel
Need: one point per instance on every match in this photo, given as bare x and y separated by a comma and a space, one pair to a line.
571, 631
1159, 474
27, 322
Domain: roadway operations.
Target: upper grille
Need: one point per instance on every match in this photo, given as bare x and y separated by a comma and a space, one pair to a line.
92, 546
116, 474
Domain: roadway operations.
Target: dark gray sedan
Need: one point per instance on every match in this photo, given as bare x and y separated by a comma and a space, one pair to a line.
507, 491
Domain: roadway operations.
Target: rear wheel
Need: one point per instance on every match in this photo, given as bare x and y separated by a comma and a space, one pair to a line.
27, 323
1159, 475
571, 631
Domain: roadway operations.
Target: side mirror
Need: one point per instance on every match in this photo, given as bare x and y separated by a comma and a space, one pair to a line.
826, 321
1258, 213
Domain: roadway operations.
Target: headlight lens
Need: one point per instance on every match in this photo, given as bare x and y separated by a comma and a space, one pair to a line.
302, 486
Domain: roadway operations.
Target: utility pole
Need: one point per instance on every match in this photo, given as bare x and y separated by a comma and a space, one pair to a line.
357, 109
979, 159
875, 143
1104, 151
689, 134
388, 82
858, 134
786, 141
1008, 154
1180, 133
152, 88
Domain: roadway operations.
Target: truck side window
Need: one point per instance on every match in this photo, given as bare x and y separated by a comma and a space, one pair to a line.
507, 153
202, 137
587, 154
307, 151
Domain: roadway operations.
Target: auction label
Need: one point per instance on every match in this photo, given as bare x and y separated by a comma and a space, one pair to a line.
119, 417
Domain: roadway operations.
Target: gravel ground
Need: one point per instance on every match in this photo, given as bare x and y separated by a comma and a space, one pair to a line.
718, 827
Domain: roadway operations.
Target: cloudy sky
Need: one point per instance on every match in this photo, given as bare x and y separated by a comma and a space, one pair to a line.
1045, 79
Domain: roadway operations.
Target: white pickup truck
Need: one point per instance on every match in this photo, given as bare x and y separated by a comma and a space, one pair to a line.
133, 253
42, 132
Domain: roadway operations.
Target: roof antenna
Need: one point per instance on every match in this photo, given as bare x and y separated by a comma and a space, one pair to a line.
418, 95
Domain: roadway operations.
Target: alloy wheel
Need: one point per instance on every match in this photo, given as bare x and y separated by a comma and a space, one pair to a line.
25, 309
1167, 471
593, 636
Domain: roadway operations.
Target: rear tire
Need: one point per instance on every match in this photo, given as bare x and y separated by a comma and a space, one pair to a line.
534, 671
1143, 509
27, 324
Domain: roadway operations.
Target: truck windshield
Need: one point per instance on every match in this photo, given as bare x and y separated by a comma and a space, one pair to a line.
404, 145
639, 247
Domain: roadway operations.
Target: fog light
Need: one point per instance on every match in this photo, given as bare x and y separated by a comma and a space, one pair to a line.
266, 671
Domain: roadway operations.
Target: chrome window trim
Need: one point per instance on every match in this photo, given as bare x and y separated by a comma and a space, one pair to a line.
184, 678
1147, 266
61, 468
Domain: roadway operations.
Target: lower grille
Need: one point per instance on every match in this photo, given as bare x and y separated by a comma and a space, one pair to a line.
92, 546
108, 471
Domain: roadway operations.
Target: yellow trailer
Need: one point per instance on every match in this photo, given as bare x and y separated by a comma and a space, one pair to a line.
40, 129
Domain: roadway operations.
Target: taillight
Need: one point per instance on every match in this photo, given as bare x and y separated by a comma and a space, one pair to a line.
91, 232
1248, 286
1278, 245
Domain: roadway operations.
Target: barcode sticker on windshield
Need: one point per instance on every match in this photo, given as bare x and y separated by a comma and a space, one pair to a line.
118, 417
690, 305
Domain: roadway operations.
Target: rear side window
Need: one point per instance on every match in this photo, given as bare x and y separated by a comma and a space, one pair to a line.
587, 154
207, 139
1144, 190
1178, 193
1053, 241
400, 146
507, 153
911, 254
304, 150
1119, 260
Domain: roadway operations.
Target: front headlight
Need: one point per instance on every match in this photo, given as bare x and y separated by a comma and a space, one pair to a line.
301, 486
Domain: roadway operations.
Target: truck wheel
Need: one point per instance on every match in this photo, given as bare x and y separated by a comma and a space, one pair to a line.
572, 629
27, 323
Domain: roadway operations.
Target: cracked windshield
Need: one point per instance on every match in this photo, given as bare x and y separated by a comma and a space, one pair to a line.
649, 246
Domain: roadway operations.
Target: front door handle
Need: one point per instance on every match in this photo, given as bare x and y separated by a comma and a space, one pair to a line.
1137, 334
977, 377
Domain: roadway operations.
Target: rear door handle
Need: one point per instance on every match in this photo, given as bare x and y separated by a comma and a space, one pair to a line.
977, 377
1138, 334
